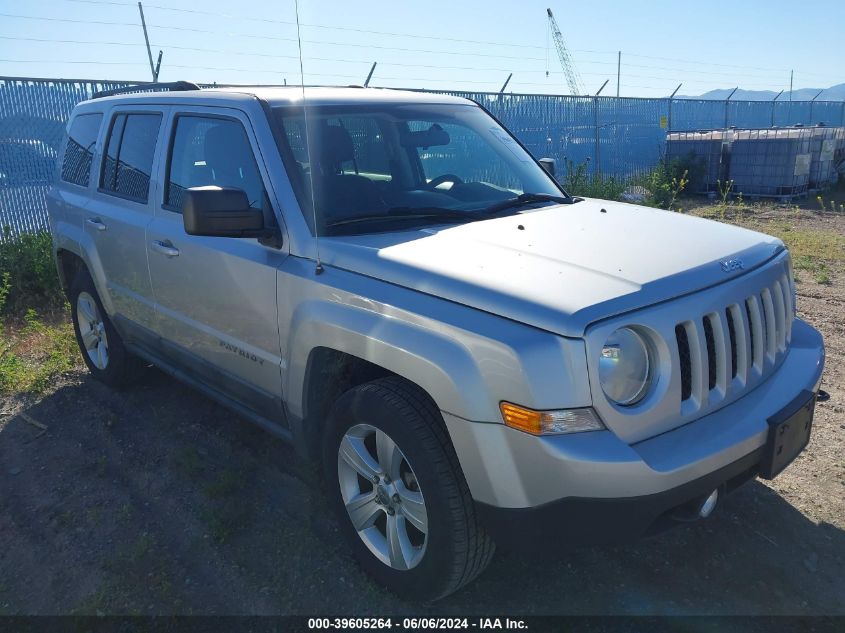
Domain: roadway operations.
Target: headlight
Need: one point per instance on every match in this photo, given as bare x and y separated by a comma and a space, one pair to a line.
625, 367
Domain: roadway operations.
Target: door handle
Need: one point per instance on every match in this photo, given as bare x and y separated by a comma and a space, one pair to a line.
165, 248
97, 223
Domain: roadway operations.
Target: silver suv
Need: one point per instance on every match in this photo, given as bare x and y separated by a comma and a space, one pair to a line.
390, 281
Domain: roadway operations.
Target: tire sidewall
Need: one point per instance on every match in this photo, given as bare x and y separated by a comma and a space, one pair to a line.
430, 577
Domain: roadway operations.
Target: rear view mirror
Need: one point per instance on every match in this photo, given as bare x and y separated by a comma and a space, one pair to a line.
221, 212
432, 137
548, 164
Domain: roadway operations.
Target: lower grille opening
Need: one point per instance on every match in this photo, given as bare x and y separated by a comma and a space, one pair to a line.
711, 352
732, 334
686, 366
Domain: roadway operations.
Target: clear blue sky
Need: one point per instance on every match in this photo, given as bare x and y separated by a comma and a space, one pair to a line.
705, 45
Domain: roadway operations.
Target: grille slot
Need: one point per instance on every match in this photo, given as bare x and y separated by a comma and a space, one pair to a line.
686, 364
780, 315
752, 333
731, 339
711, 352
771, 323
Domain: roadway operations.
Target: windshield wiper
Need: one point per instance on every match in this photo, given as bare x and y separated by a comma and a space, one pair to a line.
523, 199
407, 213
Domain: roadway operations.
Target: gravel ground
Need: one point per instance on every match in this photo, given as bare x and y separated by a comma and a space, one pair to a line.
157, 501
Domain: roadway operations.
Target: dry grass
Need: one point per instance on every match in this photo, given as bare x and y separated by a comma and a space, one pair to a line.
33, 352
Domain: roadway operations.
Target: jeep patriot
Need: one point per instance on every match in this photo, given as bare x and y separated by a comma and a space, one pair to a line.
390, 281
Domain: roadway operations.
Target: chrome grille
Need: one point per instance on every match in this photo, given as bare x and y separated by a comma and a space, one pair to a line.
720, 354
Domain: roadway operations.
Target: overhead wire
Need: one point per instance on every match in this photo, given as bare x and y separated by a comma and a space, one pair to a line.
680, 71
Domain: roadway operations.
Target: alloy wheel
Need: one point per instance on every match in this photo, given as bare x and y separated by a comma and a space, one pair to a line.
382, 496
92, 329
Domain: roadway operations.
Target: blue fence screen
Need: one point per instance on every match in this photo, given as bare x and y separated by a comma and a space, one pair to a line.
622, 137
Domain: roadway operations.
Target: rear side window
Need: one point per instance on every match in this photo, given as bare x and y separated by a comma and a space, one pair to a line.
79, 153
130, 149
211, 151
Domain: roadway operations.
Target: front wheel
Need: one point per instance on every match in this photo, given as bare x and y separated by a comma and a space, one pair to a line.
101, 346
398, 491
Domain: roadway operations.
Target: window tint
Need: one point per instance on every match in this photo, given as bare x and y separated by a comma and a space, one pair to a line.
129, 155
76, 165
211, 151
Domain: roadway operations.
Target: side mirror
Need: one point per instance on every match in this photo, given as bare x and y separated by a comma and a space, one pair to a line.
221, 212
548, 164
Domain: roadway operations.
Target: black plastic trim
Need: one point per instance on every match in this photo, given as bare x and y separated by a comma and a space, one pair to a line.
599, 521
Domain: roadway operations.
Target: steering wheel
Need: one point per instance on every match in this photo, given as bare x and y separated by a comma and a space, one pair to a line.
436, 182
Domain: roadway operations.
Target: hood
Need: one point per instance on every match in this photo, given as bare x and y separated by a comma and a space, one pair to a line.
561, 267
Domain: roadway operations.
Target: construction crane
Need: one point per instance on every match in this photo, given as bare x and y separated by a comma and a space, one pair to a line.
566, 63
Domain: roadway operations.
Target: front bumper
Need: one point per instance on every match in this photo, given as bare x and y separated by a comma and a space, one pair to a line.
585, 521
564, 479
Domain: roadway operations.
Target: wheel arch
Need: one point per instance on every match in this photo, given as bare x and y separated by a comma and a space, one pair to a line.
336, 347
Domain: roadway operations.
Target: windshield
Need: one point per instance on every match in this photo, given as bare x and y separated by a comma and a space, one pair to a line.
388, 167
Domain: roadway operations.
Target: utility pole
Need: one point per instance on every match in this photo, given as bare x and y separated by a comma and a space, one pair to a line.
618, 71
153, 68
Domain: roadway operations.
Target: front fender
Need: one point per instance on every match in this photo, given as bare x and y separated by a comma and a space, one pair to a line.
428, 358
465, 359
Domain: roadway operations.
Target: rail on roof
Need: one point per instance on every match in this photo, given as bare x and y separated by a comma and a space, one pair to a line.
173, 86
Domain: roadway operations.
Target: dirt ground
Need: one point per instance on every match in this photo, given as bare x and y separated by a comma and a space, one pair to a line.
157, 501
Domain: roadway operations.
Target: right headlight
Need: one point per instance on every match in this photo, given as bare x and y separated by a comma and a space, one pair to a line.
625, 367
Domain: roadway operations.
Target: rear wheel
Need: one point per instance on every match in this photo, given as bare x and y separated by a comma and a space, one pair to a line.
101, 346
399, 493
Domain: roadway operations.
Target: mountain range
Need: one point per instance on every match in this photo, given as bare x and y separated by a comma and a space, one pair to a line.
834, 93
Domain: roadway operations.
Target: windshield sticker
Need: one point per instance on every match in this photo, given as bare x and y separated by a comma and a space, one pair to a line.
505, 139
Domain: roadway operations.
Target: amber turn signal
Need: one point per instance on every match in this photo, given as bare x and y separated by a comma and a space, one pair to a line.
550, 422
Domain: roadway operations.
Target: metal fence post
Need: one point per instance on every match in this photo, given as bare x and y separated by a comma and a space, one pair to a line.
597, 153
672, 98
773, 107
727, 105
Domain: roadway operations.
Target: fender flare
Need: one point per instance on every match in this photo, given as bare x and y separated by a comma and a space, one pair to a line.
75, 240
416, 353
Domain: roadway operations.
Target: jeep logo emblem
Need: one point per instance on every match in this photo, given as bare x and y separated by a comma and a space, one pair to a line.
730, 265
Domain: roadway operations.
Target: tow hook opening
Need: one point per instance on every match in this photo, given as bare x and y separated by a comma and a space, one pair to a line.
698, 508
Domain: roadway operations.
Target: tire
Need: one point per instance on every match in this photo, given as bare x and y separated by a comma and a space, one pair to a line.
372, 421
101, 347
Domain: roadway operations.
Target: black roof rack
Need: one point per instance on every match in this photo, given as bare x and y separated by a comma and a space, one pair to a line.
172, 86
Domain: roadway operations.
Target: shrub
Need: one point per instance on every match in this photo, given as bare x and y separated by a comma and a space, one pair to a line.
578, 182
665, 183
28, 275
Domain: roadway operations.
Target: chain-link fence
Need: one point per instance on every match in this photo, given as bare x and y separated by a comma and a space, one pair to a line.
621, 137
